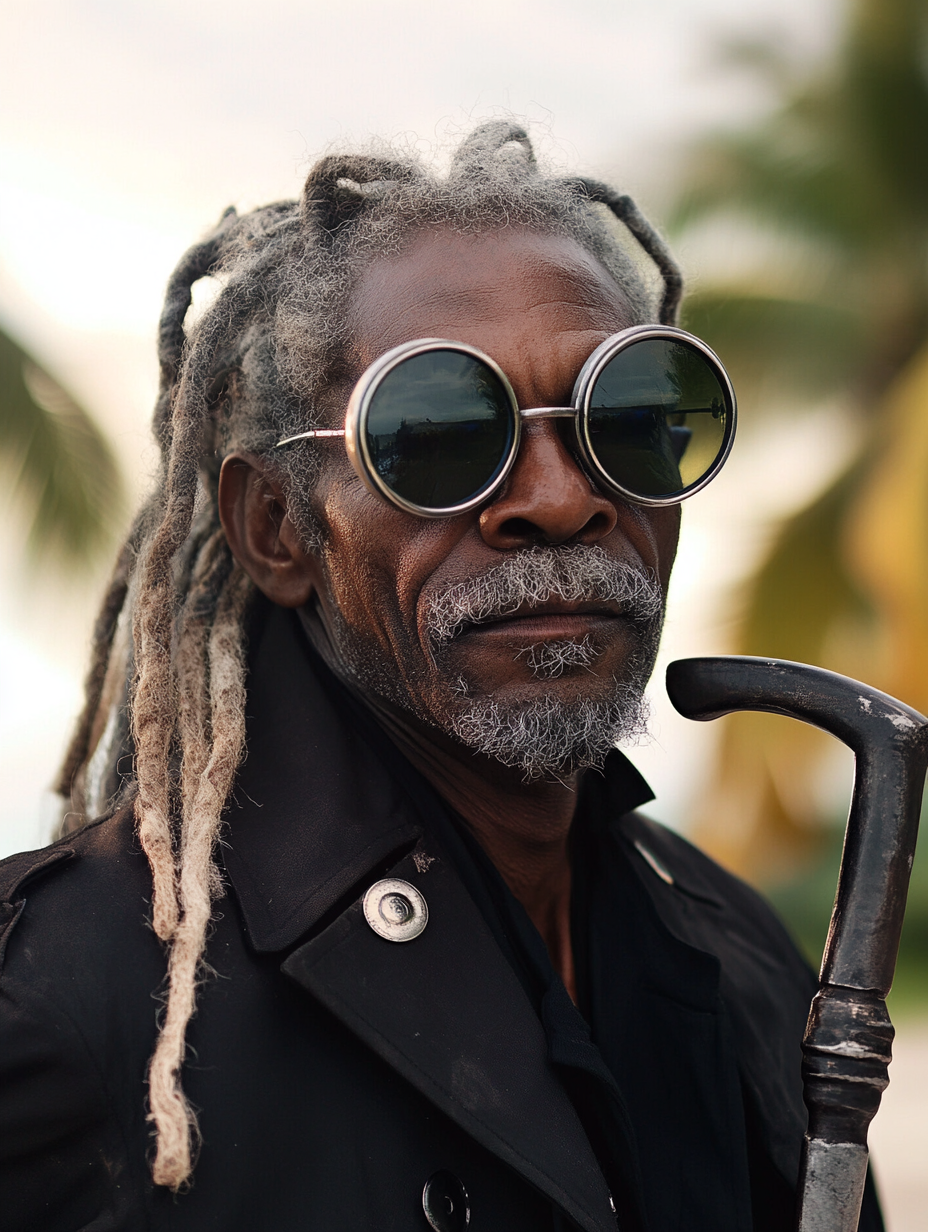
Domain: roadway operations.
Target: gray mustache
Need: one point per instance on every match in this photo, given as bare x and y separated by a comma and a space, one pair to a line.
577, 574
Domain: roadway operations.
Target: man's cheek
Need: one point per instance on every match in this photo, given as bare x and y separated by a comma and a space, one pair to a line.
371, 609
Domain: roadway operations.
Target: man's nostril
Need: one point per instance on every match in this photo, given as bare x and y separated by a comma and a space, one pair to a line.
599, 524
520, 528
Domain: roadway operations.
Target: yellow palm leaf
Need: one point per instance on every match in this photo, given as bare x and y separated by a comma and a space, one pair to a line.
846, 587
886, 539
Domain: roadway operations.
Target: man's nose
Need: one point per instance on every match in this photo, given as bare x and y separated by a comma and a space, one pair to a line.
547, 498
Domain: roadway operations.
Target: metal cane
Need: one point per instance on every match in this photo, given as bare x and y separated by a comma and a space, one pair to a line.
848, 1039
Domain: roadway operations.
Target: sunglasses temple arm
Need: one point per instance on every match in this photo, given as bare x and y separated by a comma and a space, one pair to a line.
307, 436
537, 412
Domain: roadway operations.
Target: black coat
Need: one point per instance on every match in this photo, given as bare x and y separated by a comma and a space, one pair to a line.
334, 1071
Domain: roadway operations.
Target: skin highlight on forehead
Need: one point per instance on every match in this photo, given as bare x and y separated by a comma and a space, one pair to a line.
461, 287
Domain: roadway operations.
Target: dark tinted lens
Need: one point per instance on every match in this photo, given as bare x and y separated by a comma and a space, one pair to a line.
659, 417
439, 428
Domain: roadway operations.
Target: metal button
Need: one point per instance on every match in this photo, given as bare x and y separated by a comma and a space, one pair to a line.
445, 1202
395, 910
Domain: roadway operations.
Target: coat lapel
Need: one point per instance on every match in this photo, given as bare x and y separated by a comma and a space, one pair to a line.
447, 1012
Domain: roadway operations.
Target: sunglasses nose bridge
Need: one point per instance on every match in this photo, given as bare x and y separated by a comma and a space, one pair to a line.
548, 412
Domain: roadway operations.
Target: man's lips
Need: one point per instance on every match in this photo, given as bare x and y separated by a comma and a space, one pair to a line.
546, 622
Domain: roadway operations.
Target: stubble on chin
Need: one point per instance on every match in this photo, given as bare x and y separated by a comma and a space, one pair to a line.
569, 717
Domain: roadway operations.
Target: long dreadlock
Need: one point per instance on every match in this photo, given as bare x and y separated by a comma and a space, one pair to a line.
164, 713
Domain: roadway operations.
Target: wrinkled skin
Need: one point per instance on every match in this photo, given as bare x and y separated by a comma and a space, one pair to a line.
539, 305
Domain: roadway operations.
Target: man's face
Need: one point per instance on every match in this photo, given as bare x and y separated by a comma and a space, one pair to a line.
420, 610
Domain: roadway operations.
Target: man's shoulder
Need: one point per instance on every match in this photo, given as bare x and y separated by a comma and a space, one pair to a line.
102, 848
78, 891
79, 966
690, 885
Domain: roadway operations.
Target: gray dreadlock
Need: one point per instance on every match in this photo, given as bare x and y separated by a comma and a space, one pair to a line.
163, 721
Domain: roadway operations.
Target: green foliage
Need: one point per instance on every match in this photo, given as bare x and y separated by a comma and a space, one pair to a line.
840, 167
803, 570
772, 342
806, 900
63, 472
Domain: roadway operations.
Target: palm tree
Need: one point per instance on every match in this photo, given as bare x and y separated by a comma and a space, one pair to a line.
63, 473
835, 181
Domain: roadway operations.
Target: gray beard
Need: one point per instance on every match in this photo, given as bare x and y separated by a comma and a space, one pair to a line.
550, 738
548, 735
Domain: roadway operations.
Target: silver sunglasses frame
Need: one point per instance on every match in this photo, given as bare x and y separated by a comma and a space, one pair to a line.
359, 404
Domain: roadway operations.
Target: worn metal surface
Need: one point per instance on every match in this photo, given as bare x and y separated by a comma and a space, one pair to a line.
395, 910
848, 1040
832, 1184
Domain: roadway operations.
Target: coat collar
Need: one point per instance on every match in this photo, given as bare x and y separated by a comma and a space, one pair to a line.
312, 812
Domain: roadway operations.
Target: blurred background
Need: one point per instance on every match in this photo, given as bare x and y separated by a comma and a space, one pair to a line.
783, 145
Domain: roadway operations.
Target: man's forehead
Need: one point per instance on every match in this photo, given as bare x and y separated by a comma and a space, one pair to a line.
478, 288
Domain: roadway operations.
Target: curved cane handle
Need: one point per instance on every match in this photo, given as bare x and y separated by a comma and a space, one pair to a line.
848, 1039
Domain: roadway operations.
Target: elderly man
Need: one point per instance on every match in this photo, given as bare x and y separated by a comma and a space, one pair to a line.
350, 732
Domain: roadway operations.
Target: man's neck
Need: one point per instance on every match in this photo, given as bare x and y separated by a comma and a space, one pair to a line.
523, 826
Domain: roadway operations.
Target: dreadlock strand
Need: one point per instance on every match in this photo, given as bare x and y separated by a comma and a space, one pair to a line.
154, 708
92, 718
333, 194
175, 1122
211, 569
154, 714
476, 153
197, 263
104, 631
628, 213
227, 705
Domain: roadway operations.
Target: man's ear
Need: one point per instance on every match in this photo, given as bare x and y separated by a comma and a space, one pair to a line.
253, 512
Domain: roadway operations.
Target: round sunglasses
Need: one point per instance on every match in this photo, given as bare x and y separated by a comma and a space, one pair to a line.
434, 426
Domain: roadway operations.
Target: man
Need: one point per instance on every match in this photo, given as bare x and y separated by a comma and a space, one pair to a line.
350, 728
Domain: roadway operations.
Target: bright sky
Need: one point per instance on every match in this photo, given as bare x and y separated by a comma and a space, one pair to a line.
127, 128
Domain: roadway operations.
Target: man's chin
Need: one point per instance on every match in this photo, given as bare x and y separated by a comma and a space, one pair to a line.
550, 734
551, 711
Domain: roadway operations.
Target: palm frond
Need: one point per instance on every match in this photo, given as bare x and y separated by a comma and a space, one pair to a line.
761, 814
884, 539
884, 91
63, 472
842, 159
795, 345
